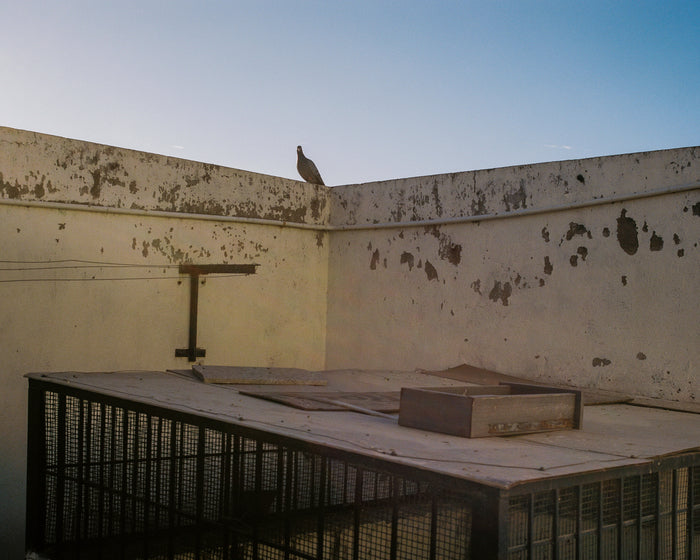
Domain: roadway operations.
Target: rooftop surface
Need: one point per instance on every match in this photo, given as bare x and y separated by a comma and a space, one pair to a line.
614, 434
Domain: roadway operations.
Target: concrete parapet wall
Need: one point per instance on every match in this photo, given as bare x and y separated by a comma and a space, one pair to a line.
509, 190
581, 272
578, 272
38, 167
90, 242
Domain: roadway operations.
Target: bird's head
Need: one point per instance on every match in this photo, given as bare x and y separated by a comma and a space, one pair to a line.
299, 150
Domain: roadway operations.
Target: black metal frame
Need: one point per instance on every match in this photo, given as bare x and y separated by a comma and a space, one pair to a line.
195, 271
647, 511
114, 478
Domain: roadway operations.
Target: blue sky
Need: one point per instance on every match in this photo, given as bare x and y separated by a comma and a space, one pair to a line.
372, 90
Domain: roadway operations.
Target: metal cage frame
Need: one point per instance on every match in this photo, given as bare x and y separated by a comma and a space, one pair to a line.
111, 478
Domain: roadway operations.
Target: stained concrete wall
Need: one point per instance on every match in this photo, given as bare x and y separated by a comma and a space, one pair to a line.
543, 278
66, 206
567, 271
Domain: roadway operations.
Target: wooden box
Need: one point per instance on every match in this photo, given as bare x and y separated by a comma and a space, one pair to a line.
496, 410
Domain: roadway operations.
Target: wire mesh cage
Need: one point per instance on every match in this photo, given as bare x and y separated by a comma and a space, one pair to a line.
650, 515
113, 478
111, 481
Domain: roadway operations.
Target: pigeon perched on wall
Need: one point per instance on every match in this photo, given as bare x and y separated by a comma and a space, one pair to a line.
307, 169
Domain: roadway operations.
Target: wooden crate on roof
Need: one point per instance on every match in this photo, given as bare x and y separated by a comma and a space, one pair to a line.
496, 410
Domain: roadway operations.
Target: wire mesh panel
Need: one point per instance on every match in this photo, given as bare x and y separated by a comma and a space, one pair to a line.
110, 478
653, 515
113, 479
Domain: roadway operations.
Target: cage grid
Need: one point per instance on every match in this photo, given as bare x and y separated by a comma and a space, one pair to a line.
113, 478
651, 515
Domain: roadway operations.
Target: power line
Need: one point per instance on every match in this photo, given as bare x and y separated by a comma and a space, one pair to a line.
82, 264
91, 263
114, 279
81, 267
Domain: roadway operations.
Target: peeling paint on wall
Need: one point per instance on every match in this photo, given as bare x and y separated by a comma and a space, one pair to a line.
11, 191
430, 271
474, 264
656, 243
577, 229
436, 198
449, 251
548, 268
91, 174
501, 292
478, 204
476, 286
375, 259
627, 233
516, 199
585, 274
496, 191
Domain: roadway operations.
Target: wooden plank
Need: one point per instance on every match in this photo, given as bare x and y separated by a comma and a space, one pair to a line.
630, 431
471, 390
490, 410
355, 408
499, 415
471, 374
436, 411
378, 401
526, 389
257, 375
612, 435
667, 405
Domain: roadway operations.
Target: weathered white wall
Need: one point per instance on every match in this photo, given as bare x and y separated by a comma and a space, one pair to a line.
62, 199
600, 296
52, 169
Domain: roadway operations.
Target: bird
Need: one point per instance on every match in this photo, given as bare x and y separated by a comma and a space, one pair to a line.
307, 169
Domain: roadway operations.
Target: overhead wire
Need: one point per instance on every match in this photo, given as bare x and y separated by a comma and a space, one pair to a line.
81, 267
88, 264
94, 279
105, 263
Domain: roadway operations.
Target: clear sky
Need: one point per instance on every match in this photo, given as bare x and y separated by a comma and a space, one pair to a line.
373, 90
